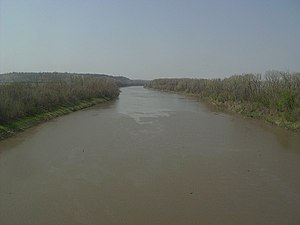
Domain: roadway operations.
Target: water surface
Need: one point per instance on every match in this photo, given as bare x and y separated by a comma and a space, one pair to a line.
150, 158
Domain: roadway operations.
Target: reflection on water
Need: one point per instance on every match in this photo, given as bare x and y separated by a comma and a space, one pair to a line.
150, 158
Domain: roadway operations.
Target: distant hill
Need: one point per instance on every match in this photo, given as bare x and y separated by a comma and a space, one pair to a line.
54, 76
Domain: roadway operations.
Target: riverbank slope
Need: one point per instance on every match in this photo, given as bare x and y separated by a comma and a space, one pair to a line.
25, 104
274, 98
19, 125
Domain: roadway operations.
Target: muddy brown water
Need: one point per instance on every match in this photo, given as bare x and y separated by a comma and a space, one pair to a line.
150, 158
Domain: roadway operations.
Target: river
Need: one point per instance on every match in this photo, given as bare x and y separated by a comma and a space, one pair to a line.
150, 158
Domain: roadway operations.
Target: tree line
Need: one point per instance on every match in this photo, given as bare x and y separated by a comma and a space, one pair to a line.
275, 93
39, 76
21, 99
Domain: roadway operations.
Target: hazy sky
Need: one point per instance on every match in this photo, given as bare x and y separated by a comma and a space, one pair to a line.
150, 39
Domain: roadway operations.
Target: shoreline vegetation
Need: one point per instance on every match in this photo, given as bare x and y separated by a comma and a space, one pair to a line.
19, 125
26, 104
273, 97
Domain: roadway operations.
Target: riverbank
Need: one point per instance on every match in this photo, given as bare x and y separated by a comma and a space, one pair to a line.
19, 125
274, 98
256, 111
25, 104
247, 110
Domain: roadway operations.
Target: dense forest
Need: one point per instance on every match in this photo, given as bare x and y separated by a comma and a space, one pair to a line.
274, 96
20, 99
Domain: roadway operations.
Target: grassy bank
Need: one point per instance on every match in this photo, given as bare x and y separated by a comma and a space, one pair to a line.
256, 111
25, 104
274, 97
13, 127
